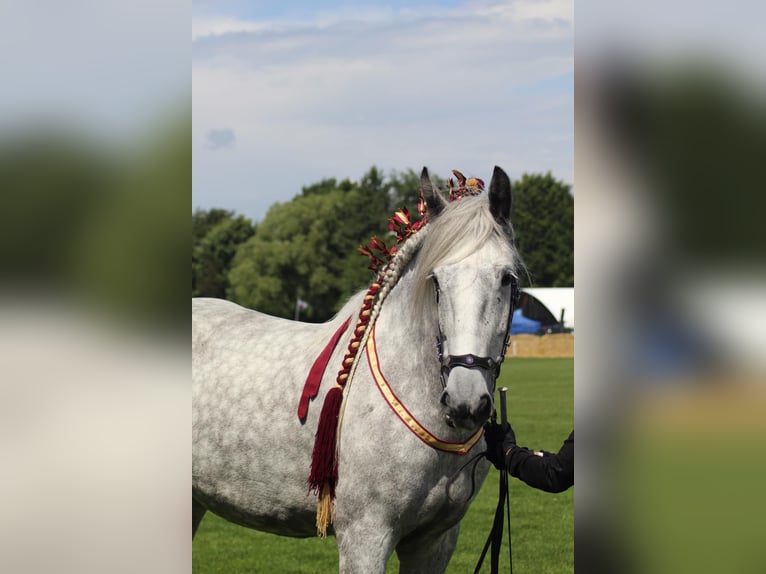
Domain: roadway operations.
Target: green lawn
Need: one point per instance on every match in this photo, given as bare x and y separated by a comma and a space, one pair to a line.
540, 407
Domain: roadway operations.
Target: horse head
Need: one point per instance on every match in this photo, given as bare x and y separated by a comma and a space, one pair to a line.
472, 265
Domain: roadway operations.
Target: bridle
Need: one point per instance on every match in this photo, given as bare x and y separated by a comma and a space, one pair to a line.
471, 361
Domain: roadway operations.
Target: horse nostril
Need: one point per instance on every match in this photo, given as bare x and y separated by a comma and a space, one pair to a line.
485, 407
444, 398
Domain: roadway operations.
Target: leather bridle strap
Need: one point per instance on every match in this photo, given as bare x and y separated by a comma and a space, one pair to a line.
470, 361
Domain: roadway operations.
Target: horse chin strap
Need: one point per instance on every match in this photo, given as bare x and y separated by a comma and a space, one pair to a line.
471, 361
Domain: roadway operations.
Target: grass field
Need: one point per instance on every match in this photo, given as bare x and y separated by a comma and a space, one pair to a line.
540, 407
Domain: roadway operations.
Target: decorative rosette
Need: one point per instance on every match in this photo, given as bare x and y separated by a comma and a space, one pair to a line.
465, 187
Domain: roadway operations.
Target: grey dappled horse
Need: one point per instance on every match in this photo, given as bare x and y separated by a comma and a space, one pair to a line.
251, 454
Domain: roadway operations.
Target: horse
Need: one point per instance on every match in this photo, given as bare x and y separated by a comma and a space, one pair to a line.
418, 399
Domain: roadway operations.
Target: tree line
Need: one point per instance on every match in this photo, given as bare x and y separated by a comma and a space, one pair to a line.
306, 248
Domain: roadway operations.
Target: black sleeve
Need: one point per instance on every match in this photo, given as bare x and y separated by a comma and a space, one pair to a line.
550, 472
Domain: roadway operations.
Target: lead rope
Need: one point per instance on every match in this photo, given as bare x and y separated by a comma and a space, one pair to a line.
495, 538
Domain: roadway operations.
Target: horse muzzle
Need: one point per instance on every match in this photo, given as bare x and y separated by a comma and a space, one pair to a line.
463, 410
463, 414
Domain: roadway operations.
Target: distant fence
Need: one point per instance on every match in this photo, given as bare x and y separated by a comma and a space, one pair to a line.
558, 345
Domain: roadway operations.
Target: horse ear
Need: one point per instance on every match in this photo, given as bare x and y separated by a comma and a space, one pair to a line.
500, 200
431, 194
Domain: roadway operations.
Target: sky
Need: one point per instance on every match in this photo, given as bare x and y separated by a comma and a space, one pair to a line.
288, 93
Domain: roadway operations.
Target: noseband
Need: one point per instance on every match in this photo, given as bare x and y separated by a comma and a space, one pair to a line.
471, 361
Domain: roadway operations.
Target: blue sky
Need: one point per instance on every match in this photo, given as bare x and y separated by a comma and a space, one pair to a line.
287, 93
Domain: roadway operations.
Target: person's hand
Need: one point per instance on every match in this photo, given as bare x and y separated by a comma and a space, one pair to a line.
498, 443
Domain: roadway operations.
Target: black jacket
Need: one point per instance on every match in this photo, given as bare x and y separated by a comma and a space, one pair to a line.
544, 470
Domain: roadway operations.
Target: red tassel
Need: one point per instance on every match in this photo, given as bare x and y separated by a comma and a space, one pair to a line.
324, 467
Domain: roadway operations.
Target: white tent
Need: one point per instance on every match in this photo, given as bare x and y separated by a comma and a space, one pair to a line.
556, 299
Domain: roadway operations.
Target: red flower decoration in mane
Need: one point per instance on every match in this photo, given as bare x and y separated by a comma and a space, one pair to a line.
404, 226
378, 252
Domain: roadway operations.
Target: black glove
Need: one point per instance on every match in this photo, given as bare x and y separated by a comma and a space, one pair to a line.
498, 443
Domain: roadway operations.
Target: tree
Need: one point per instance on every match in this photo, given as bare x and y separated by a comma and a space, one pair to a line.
325, 186
307, 248
404, 189
543, 221
216, 235
203, 220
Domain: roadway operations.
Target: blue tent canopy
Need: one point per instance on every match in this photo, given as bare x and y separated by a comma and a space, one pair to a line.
521, 324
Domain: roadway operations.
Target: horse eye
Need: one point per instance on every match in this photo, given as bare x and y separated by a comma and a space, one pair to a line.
506, 280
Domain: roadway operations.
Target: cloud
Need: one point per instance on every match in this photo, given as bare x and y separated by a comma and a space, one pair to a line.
468, 87
222, 138
202, 27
